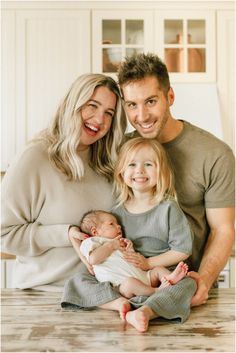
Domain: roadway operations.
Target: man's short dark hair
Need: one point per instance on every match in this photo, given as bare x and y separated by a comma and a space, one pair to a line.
139, 66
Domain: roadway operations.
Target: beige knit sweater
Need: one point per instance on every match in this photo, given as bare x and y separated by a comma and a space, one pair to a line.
38, 205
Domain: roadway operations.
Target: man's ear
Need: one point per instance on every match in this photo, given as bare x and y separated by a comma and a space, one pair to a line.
171, 96
93, 231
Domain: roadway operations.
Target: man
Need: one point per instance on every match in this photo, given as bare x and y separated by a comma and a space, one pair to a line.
204, 173
203, 165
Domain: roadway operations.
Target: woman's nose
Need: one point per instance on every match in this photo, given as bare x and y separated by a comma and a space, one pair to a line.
99, 116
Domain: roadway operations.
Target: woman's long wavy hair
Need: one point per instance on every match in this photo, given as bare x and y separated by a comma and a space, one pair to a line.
164, 188
63, 135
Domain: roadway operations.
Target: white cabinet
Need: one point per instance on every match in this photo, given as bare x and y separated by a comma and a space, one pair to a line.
46, 45
47, 50
117, 34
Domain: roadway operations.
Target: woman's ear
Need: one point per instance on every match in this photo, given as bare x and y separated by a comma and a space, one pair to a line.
93, 231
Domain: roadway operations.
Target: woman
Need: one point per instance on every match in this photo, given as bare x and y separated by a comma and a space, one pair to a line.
66, 170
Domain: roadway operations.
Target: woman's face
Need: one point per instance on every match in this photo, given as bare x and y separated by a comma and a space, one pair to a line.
97, 115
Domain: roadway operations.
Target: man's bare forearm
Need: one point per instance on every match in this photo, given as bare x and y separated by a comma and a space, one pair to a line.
217, 251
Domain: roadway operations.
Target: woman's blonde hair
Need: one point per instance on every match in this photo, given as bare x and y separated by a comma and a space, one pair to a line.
164, 187
63, 135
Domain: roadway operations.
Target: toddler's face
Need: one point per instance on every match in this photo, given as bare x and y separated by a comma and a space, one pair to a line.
108, 227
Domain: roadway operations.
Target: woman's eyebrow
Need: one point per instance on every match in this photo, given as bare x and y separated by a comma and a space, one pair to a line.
99, 103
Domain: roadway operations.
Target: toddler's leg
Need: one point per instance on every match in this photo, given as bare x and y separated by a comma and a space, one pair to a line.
121, 304
131, 287
179, 273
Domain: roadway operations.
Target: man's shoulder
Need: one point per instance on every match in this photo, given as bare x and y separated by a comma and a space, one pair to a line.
202, 141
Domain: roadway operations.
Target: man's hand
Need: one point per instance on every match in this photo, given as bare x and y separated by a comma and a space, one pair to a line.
201, 295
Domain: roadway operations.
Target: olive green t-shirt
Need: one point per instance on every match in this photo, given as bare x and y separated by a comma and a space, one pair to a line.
203, 167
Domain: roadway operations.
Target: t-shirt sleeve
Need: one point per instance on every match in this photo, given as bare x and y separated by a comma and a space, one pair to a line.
221, 188
180, 233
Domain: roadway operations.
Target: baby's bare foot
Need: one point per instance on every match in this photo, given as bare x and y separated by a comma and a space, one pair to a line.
138, 319
179, 272
164, 283
125, 306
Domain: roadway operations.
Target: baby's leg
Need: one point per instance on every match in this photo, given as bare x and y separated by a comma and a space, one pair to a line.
156, 274
179, 272
131, 287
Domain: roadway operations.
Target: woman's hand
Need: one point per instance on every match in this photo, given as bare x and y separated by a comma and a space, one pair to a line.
76, 236
201, 295
136, 259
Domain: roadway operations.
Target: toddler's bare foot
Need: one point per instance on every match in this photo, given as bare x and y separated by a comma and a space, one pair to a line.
125, 306
139, 319
179, 272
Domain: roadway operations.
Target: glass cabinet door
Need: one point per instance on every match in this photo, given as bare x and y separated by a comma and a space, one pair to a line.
117, 35
185, 42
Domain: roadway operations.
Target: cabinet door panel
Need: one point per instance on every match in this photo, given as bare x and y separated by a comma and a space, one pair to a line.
53, 48
8, 128
185, 40
117, 34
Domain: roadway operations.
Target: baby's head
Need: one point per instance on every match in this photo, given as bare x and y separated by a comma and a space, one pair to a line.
100, 223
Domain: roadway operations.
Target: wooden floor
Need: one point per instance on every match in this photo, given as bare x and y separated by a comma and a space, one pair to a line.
33, 321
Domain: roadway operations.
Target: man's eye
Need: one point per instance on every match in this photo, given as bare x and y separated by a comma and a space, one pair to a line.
151, 102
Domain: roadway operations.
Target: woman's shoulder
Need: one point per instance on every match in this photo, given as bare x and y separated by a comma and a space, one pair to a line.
30, 158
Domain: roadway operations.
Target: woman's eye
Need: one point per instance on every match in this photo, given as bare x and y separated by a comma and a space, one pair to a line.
110, 114
131, 105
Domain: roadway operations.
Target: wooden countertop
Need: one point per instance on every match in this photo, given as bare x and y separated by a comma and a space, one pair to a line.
33, 321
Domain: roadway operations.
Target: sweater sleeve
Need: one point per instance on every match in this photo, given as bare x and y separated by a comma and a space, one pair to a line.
23, 197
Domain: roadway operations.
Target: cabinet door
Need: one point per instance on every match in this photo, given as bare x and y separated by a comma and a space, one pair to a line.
117, 34
185, 40
226, 72
52, 49
8, 131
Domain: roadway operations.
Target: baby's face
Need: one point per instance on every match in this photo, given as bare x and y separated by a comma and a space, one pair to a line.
108, 227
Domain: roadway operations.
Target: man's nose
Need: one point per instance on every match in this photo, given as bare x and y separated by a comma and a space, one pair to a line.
142, 113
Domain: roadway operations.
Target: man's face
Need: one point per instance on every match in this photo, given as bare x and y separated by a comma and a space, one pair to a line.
147, 107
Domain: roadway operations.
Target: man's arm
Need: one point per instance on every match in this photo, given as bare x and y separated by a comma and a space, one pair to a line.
217, 251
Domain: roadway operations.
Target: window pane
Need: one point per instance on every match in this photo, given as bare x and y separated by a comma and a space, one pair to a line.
174, 59
173, 29
132, 51
196, 60
111, 31
111, 59
196, 31
134, 32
